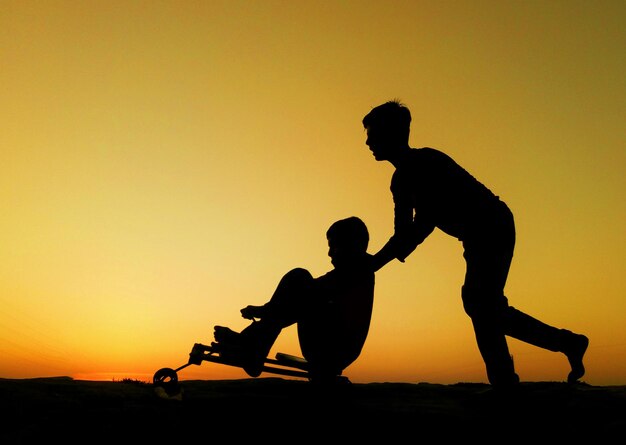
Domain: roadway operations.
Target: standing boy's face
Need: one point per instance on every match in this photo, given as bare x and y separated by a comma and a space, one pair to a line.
378, 143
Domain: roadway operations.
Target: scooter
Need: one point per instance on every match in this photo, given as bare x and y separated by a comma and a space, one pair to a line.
166, 383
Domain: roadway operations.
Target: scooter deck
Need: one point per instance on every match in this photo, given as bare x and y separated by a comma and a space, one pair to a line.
166, 379
282, 364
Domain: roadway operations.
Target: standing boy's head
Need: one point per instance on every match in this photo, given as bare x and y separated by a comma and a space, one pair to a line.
388, 127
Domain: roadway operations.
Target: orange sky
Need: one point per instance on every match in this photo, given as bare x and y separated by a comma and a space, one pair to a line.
162, 164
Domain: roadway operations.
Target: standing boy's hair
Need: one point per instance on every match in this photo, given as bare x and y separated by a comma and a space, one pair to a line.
392, 117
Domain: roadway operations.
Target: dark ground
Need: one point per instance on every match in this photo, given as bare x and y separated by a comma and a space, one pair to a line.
286, 411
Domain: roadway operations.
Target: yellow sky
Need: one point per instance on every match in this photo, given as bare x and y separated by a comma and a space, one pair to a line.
162, 164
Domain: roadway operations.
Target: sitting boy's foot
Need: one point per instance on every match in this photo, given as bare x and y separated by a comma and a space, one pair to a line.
575, 351
253, 367
230, 353
236, 350
223, 334
238, 355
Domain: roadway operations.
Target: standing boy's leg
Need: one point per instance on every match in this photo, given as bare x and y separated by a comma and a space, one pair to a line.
530, 330
484, 301
490, 338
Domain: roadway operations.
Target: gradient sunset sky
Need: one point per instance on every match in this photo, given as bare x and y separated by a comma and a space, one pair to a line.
163, 163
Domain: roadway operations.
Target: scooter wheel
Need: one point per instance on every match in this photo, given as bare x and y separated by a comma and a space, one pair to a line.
165, 377
166, 383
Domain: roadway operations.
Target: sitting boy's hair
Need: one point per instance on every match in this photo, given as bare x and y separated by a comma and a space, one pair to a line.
350, 232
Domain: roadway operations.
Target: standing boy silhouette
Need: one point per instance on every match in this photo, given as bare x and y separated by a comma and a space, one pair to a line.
430, 190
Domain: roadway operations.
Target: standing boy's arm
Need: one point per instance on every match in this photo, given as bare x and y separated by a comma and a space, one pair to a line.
387, 253
402, 244
409, 232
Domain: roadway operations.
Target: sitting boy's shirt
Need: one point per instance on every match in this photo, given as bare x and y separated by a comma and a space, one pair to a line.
333, 334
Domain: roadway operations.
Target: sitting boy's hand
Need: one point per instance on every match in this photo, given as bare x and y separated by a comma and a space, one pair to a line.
251, 312
245, 313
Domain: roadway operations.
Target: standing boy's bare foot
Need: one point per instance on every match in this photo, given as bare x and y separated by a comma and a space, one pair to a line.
577, 346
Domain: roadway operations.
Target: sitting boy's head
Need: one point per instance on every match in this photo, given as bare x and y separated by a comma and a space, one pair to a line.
347, 239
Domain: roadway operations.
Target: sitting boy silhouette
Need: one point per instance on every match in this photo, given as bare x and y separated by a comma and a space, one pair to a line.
332, 311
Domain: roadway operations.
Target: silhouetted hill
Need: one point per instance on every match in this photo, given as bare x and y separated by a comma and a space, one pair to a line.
297, 410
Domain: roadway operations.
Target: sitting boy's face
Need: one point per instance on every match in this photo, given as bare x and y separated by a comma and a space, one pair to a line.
341, 253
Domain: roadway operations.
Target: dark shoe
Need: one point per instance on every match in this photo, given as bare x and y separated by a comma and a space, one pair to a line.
575, 349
